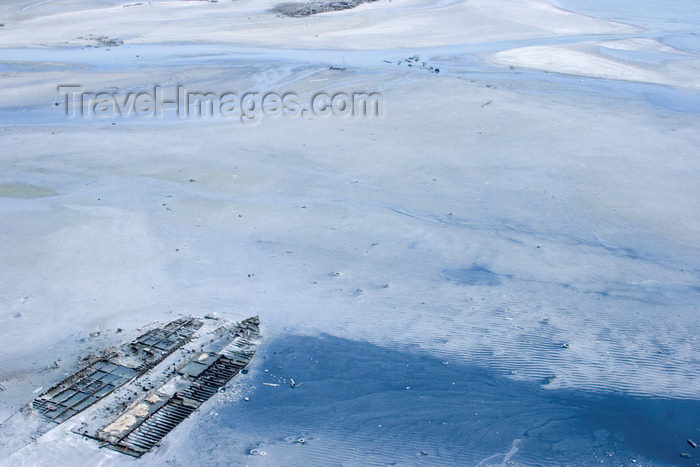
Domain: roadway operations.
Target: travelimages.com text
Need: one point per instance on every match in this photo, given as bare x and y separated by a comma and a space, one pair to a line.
247, 107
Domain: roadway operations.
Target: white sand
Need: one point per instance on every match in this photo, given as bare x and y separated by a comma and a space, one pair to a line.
589, 59
577, 196
381, 25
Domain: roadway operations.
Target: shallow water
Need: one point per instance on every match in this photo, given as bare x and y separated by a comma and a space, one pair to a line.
671, 15
386, 406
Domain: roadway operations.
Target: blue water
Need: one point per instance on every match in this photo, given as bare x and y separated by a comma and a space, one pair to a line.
476, 275
358, 404
676, 23
662, 15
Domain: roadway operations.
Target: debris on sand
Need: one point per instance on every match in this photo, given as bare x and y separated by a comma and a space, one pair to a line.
101, 41
298, 10
415, 61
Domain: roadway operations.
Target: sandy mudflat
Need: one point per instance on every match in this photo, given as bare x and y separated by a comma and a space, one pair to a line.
502, 267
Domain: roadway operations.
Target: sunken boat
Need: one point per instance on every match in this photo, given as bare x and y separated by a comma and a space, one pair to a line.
147, 421
129, 399
95, 381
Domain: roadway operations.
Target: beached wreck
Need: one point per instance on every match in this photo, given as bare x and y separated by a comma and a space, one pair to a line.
92, 383
147, 421
148, 388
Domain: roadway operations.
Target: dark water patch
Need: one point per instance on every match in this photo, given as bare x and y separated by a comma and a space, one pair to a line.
476, 275
358, 403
